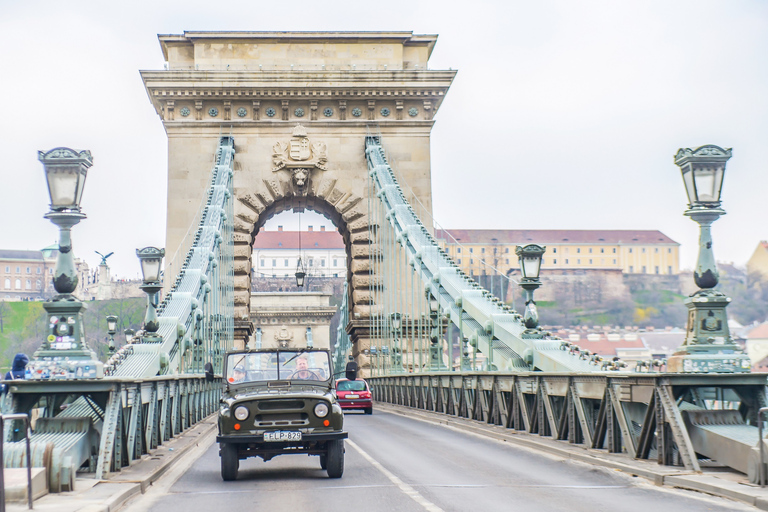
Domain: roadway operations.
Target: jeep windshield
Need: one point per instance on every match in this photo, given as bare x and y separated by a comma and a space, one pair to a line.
293, 365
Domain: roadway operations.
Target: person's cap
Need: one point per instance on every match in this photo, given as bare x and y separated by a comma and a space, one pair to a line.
239, 369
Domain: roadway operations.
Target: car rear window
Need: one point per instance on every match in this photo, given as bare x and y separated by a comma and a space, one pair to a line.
351, 385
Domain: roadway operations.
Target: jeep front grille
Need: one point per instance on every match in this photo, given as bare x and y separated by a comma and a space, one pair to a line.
281, 420
282, 405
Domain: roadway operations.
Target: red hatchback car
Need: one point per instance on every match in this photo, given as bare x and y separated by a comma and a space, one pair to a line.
354, 394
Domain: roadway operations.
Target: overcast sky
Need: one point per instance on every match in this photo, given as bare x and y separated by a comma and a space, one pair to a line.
564, 114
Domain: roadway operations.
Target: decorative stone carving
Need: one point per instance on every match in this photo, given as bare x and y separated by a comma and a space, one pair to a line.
283, 337
270, 112
300, 178
385, 112
213, 111
169, 108
413, 111
313, 110
299, 152
357, 112
184, 111
241, 112
328, 112
299, 112
285, 104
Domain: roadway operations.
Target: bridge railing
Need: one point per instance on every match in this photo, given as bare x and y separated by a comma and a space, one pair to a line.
676, 419
104, 424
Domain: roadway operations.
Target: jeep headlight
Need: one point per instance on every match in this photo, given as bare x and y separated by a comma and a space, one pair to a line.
241, 413
321, 410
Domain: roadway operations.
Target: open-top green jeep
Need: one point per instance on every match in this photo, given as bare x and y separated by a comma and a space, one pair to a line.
277, 402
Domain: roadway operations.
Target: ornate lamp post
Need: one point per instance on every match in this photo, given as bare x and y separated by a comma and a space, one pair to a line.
435, 352
151, 259
65, 354
112, 330
530, 264
708, 345
129, 336
397, 355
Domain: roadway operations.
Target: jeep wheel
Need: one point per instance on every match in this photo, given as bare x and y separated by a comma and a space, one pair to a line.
335, 458
369, 410
324, 461
229, 462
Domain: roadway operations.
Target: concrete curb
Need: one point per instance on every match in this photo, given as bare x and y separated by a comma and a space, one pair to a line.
112, 494
660, 475
152, 475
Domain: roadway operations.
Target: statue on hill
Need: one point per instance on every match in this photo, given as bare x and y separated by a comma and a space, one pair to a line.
104, 258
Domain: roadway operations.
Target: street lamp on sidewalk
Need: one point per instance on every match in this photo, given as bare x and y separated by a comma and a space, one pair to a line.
435, 334
530, 265
112, 330
397, 355
708, 345
65, 353
151, 259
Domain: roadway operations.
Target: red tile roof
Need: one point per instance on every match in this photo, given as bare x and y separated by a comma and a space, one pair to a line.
544, 236
605, 348
290, 240
759, 332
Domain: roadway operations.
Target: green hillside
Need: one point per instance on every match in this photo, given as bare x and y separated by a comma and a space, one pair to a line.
24, 326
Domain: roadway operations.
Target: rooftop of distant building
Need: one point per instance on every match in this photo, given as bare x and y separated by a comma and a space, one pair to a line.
553, 236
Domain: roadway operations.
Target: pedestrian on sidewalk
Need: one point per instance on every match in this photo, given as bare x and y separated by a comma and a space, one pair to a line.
18, 370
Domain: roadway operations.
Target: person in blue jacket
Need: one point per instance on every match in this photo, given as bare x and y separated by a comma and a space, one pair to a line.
18, 369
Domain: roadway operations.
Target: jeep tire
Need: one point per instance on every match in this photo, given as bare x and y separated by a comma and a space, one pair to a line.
335, 458
230, 463
324, 461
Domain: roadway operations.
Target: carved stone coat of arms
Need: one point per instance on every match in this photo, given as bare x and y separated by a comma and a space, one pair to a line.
299, 156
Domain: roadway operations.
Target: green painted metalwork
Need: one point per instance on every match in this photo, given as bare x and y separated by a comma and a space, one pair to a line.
407, 258
708, 346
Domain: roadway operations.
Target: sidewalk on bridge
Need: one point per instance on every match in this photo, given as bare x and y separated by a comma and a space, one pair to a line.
722, 482
91, 495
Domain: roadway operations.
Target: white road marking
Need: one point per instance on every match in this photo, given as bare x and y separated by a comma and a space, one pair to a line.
404, 487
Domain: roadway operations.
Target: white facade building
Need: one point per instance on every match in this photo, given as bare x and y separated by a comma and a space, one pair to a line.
276, 253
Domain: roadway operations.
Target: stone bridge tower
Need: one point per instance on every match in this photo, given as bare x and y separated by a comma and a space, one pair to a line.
299, 105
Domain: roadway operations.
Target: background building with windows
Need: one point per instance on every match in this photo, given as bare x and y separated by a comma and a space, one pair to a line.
28, 275
276, 253
479, 251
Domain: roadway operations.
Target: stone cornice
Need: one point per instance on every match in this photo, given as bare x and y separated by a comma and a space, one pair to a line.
213, 92
308, 83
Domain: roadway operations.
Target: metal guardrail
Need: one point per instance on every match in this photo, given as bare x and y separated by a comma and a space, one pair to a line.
662, 416
27, 435
107, 423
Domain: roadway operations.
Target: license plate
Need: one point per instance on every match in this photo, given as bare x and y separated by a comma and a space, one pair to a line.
282, 436
352, 396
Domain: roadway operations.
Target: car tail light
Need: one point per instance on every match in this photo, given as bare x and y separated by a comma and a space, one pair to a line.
365, 394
